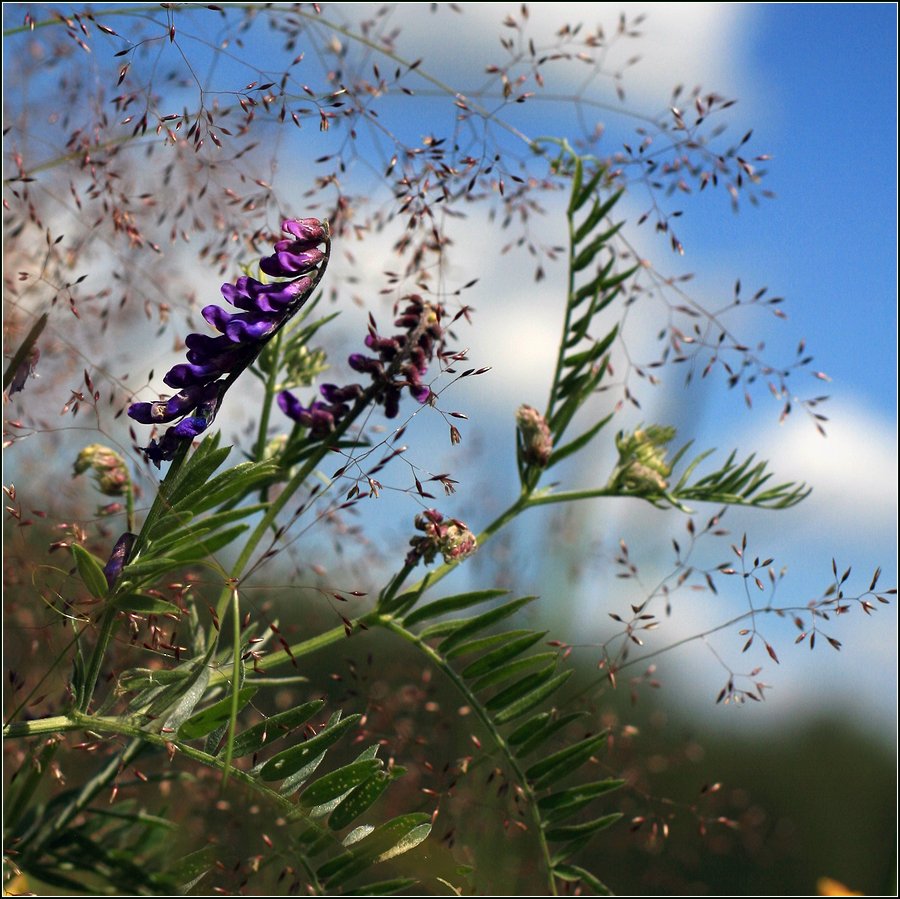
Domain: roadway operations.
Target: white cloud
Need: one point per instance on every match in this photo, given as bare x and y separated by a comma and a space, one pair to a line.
688, 43
853, 471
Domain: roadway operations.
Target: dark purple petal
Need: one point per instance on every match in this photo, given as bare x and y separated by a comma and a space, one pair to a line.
189, 428
289, 404
391, 402
277, 297
365, 364
285, 264
335, 394
420, 393
204, 349
305, 229
148, 413
243, 327
119, 558
238, 294
187, 375
163, 450
250, 328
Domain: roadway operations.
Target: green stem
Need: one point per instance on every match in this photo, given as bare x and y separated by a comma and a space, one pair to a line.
480, 712
37, 768
235, 684
109, 615
266, 412
571, 496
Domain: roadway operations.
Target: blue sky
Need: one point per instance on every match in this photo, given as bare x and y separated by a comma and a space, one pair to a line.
818, 84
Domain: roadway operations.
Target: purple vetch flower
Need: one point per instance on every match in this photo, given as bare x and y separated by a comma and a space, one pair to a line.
215, 362
401, 362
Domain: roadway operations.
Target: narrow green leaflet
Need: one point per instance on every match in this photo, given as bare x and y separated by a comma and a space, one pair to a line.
21, 354
530, 700
451, 604
189, 869
480, 622
574, 873
578, 831
387, 841
521, 687
237, 480
489, 661
598, 212
358, 800
274, 728
195, 472
567, 802
195, 529
143, 604
384, 887
515, 667
579, 442
202, 723
555, 766
339, 782
292, 760
479, 644
195, 550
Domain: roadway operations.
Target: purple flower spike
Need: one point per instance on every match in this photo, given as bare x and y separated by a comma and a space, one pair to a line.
214, 363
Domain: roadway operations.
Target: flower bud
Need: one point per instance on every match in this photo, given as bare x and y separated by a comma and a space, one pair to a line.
109, 469
537, 441
642, 464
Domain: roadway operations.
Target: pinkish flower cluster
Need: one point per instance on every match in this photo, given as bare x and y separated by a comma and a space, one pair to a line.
449, 537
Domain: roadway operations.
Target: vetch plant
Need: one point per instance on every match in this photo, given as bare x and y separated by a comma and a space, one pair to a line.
179, 688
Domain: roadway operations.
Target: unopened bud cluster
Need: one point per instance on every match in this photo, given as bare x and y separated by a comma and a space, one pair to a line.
642, 464
108, 467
